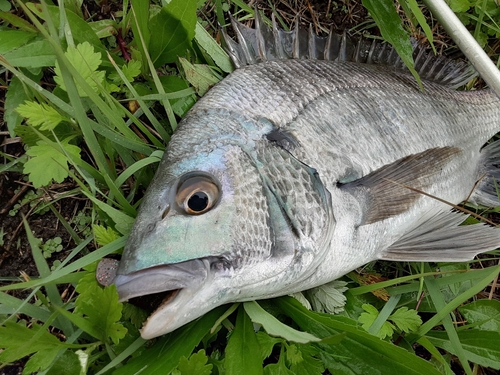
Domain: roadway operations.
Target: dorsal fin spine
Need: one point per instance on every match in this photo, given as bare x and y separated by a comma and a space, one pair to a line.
264, 43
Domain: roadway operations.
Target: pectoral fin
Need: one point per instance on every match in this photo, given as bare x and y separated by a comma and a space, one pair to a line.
437, 237
383, 191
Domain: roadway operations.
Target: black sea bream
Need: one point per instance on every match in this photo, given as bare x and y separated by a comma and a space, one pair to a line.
293, 171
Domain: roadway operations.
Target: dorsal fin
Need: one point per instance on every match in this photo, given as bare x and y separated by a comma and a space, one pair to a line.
264, 43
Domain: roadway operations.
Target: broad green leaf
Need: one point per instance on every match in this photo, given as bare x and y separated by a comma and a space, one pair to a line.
67, 364
19, 341
368, 318
483, 314
200, 76
104, 28
174, 28
309, 363
104, 235
205, 41
86, 62
173, 84
359, 352
196, 364
406, 320
274, 327
278, 369
40, 115
391, 27
35, 54
54, 162
266, 343
459, 6
481, 347
101, 308
164, 355
243, 351
16, 95
140, 21
11, 39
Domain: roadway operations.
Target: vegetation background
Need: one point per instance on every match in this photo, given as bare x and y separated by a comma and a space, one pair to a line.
90, 93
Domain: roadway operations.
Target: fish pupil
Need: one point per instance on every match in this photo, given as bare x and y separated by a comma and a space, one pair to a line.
198, 201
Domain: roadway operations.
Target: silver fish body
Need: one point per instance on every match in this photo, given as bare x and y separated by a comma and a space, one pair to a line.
300, 167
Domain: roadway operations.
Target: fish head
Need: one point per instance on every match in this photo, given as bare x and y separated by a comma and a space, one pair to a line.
210, 232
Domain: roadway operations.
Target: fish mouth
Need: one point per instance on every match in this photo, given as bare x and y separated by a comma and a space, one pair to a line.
154, 288
175, 293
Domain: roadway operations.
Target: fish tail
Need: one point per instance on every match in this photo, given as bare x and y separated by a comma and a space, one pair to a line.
264, 43
487, 191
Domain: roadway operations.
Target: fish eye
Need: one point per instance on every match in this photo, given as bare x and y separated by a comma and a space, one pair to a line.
197, 195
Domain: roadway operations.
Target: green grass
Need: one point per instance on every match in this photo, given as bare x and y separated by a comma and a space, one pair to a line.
86, 111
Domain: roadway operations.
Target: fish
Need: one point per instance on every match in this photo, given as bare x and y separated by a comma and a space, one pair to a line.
314, 157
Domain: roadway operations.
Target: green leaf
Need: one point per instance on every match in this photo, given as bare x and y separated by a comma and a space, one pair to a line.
391, 27
243, 351
174, 28
172, 84
483, 314
104, 235
459, 6
214, 50
309, 363
266, 343
406, 320
140, 15
196, 364
86, 62
11, 39
67, 364
130, 70
16, 95
415, 9
329, 297
17, 21
165, 354
134, 314
278, 368
48, 163
359, 352
293, 355
367, 318
100, 307
36, 54
274, 327
40, 115
200, 76
123, 222
19, 341
481, 347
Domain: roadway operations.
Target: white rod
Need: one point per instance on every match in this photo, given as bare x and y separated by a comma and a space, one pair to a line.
466, 42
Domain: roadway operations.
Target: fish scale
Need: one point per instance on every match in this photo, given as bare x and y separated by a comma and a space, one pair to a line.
291, 172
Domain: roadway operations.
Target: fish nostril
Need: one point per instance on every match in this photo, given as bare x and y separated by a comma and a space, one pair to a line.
165, 212
150, 227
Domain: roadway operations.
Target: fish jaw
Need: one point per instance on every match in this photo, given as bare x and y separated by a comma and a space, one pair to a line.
195, 288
